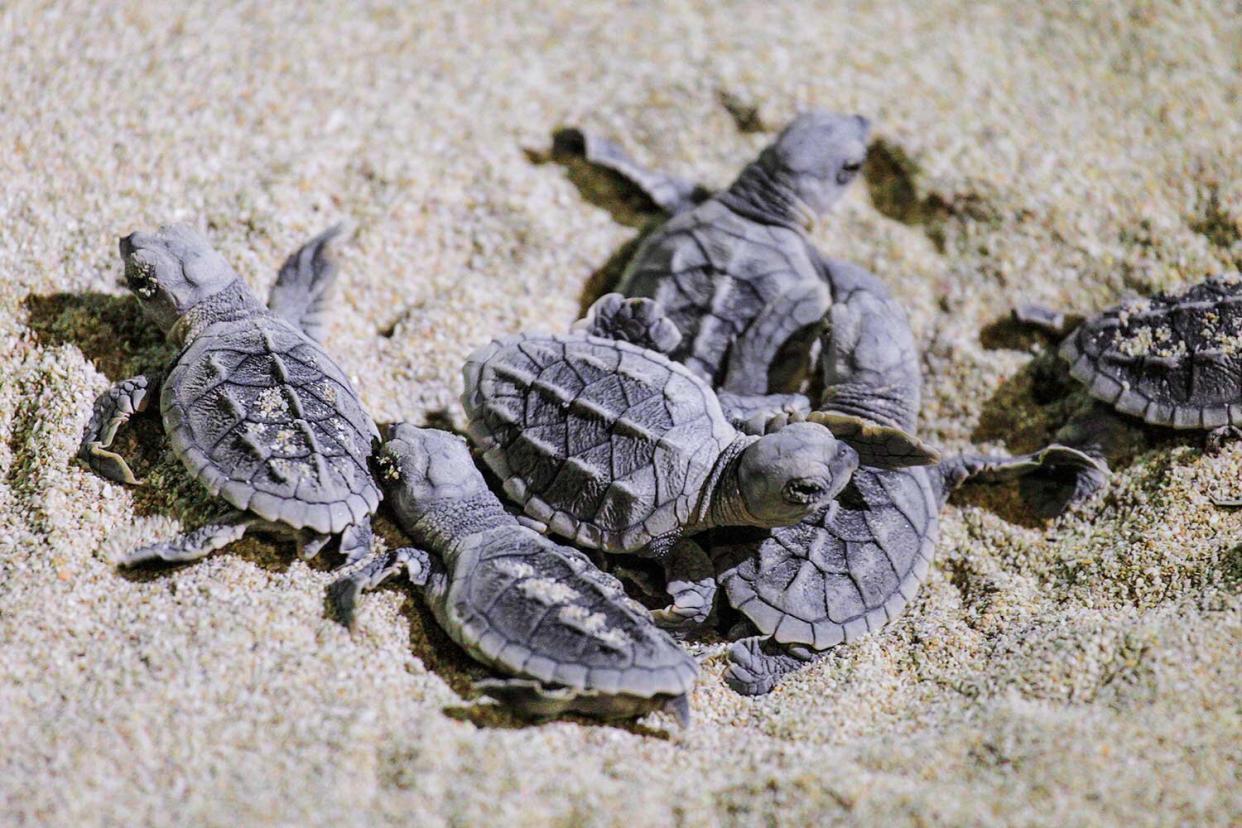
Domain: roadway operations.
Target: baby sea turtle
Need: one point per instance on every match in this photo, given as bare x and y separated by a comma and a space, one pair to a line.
1173, 360
737, 273
618, 448
853, 567
253, 405
515, 600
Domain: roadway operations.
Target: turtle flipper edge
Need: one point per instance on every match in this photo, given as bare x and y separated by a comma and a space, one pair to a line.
303, 288
670, 193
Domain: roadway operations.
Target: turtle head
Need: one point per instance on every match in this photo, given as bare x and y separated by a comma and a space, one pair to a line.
792, 473
816, 157
424, 468
172, 270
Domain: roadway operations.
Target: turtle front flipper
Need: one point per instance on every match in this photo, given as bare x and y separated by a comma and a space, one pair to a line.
195, 544
343, 593
877, 444
691, 582
993, 468
752, 354
761, 414
356, 541
1049, 320
1075, 474
639, 321
112, 410
670, 193
303, 288
757, 664
870, 367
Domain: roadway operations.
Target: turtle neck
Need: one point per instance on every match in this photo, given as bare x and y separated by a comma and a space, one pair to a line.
442, 524
764, 197
722, 502
233, 301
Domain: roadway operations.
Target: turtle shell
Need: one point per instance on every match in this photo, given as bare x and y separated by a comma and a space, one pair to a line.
533, 608
847, 571
263, 417
609, 444
713, 271
1173, 360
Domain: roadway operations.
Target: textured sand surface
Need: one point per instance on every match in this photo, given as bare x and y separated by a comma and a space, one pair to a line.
1081, 671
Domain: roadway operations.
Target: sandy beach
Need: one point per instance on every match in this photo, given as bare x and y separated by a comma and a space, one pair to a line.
1085, 670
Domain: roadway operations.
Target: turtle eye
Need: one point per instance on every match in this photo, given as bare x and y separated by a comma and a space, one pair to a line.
848, 170
803, 490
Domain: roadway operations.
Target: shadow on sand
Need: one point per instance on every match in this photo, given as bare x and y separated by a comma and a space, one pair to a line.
609, 191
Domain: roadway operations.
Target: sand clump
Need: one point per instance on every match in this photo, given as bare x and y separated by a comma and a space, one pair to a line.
1079, 671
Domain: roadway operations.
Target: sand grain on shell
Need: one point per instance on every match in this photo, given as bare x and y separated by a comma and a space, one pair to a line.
1085, 670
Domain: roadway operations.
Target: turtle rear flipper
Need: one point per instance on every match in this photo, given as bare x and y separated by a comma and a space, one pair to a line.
670, 193
877, 444
757, 664
639, 321
304, 286
355, 541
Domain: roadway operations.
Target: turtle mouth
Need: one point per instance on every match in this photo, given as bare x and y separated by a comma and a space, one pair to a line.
805, 492
146, 260
140, 274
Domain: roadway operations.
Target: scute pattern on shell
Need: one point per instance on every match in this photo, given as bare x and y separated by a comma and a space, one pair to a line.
840, 574
531, 607
713, 271
1173, 360
264, 418
608, 443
